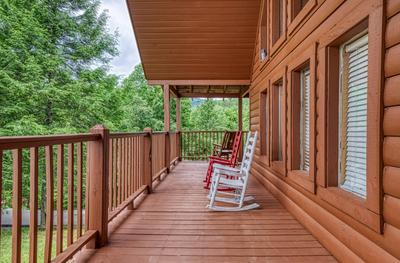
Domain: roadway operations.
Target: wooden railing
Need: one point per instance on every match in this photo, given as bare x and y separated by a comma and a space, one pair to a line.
37, 165
198, 145
91, 177
95, 176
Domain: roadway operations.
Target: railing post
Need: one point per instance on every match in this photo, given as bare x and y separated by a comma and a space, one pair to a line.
167, 152
98, 154
147, 161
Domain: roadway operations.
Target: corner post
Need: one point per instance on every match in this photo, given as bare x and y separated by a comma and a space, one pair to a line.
98, 157
167, 151
167, 125
240, 113
166, 108
147, 160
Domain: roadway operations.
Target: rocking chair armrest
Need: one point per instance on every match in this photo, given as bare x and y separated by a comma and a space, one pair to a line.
216, 159
217, 145
220, 162
228, 169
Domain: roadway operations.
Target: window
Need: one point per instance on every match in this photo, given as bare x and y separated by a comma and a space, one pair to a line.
297, 6
352, 121
301, 118
353, 115
278, 19
264, 32
277, 121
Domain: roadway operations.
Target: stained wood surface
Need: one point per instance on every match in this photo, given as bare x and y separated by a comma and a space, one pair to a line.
195, 40
173, 225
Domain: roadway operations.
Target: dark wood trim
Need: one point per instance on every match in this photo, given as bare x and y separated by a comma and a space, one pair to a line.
297, 16
200, 82
210, 95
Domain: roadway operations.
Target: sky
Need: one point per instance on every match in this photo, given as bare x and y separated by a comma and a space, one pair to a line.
119, 20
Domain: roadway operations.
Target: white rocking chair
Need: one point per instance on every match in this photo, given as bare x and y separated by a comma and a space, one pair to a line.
236, 178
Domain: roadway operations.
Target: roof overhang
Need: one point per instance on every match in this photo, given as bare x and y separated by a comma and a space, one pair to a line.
196, 42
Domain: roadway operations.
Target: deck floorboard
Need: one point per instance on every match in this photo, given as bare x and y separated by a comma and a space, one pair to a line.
173, 225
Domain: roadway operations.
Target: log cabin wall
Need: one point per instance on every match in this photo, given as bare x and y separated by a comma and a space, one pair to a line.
352, 228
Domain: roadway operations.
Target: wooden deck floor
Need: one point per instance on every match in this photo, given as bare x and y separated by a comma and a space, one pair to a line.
173, 225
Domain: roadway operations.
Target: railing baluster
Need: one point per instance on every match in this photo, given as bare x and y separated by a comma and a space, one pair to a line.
60, 198
1, 185
110, 181
114, 173
17, 205
79, 190
70, 234
49, 203
119, 171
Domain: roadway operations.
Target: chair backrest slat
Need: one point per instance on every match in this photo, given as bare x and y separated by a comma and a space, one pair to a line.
249, 152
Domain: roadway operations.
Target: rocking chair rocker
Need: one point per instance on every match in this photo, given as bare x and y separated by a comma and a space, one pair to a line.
232, 161
229, 177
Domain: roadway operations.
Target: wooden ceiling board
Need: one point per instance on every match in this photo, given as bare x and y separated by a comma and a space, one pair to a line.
195, 39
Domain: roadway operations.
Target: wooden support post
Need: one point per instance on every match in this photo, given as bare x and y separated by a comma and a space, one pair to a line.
240, 113
98, 185
167, 152
178, 145
178, 128
166, 108
147, 161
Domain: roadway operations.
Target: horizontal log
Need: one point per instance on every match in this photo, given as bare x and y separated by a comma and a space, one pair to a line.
391, 208
391, 181
391, 123
75, 247
392, 35
392, 7
392, 61
392, 91
391, 148
351, 239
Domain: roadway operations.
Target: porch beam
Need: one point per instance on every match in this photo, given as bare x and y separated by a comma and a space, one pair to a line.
240, 113
167, 125
174, 91
209, 95
200, 82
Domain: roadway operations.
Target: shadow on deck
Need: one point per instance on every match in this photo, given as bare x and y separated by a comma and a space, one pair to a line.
173, 225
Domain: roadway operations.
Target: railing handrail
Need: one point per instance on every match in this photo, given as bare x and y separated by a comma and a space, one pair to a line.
127, 134
18, 142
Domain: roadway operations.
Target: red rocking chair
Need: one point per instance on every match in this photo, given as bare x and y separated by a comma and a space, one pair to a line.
231, 161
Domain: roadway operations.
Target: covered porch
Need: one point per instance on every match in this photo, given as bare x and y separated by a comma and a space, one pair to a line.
173, 225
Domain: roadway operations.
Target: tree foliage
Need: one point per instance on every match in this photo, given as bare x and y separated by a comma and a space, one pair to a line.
54, 58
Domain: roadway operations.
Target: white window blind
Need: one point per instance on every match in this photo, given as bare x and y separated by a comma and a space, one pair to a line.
305, 120
353, 116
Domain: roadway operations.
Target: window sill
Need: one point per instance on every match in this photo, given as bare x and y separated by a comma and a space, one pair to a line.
351, 205
303, 179
278, 43
301, 15
279, 167
264, 159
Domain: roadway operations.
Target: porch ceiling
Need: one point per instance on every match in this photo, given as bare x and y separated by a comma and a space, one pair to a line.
195, 40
